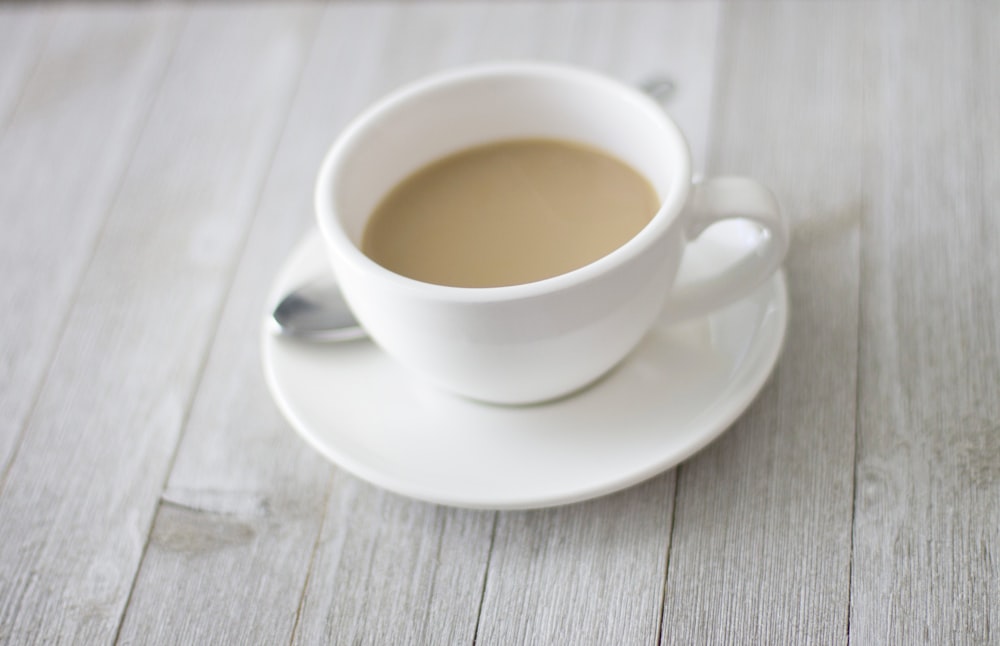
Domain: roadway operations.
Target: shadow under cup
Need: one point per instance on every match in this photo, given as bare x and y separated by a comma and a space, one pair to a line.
522, 343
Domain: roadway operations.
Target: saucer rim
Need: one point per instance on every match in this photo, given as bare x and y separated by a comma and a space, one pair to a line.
700, 434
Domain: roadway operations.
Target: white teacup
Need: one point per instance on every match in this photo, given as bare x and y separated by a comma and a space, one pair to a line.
540, 340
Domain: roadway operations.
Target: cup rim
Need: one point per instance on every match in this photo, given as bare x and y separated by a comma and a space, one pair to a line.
336, 237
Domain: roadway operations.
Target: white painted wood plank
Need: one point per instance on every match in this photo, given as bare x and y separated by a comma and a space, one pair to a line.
855, 118
593, 573
927, 525
590, 573
79, 497
388, 570
66, 143
23, 32
424, 38
261, 507
246, 497
761, 542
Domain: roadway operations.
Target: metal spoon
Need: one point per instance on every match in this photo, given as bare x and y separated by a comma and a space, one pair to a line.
317, 312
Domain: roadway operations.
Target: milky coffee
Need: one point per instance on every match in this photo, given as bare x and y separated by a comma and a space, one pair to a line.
507, 213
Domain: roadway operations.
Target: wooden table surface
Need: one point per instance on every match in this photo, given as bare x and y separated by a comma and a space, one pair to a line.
156, 168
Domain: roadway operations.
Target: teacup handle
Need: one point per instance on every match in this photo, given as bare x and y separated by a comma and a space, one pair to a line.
726, 198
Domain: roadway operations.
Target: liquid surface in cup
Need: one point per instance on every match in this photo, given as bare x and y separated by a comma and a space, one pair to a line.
508, 213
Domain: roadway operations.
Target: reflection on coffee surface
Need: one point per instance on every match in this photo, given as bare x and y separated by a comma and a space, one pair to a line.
507, 213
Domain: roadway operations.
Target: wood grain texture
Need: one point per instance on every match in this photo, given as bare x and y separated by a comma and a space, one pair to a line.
241, 474
81, 106
277, 487
23, 31
79, 496
927, 525
761, 542
156, 167
590, 573
388, 570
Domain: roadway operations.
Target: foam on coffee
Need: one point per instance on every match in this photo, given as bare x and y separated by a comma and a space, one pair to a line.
507, 213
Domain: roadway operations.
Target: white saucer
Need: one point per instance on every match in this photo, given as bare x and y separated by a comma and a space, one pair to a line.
679, 390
